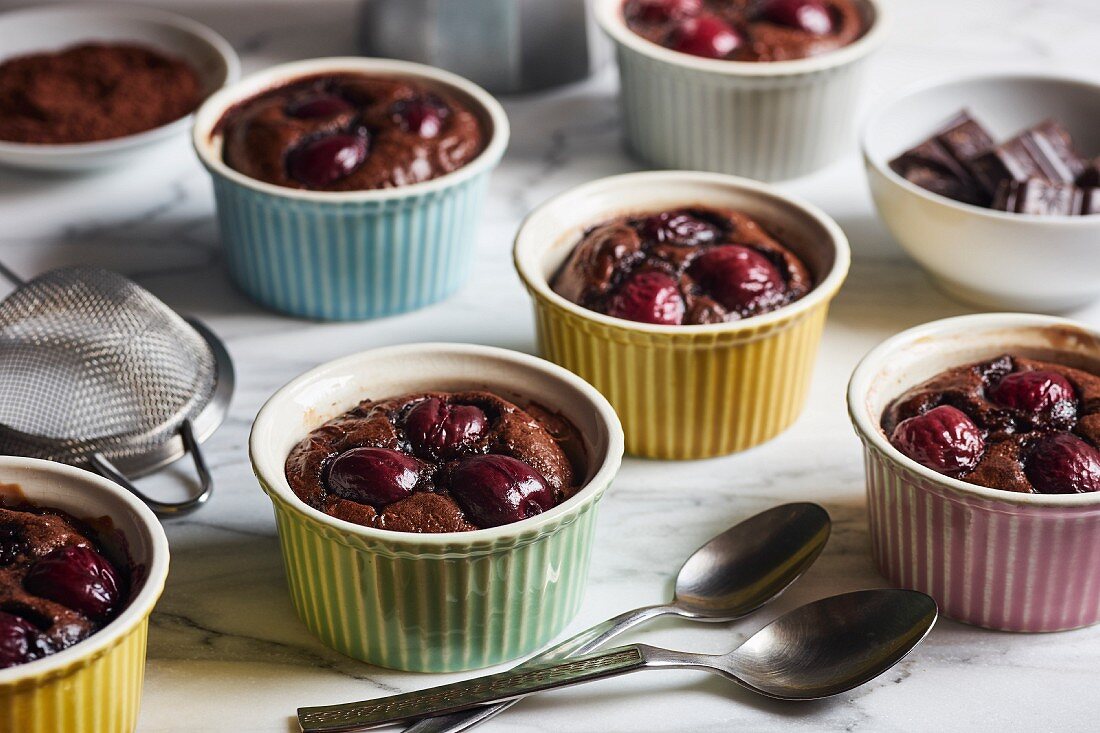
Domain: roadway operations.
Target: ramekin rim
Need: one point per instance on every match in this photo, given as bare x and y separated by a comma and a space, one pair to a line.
867, 427
593, 488
821, 292
882, 168
136, 610
198, 30
215, 106
609, 16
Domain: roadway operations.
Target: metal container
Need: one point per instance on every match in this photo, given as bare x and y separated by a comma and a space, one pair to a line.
506, 46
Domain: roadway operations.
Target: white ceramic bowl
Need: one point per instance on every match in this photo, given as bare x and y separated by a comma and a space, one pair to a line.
55, 27
988, 258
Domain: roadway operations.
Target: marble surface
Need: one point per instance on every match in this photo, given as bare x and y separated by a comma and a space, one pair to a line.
226, 652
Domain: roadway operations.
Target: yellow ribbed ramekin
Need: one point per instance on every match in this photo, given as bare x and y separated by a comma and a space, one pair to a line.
685, 392
95, 685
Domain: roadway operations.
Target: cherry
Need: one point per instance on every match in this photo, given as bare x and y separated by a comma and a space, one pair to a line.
660, 11
739, 277
679, 227
317, 106
708, 36
77, 577
439, 429
322, 161
495, 490
375, 476
1037, 393
1062, 463
811, 16
18, 640
943, 439
649, 296
422, 115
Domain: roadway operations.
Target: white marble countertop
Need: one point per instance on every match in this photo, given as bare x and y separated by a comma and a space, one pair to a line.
226, 652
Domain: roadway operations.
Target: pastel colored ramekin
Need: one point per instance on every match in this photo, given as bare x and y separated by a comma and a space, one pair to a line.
435, 602
356, 254
769, 121
998, 559
686, 392
93, 686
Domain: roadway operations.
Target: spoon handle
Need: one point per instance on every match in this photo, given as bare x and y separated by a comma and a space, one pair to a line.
479, 691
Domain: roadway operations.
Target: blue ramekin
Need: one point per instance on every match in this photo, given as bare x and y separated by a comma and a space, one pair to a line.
357, 254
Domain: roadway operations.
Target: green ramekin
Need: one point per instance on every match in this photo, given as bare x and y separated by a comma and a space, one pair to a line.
435, 602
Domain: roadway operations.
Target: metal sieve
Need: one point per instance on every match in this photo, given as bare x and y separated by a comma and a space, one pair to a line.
97, 372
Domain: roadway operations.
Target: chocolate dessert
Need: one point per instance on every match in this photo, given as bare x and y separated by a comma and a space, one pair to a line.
1039, 171
1010, 423
56, 586
437, 462
350, 133
688, 266
94, 91
747, 30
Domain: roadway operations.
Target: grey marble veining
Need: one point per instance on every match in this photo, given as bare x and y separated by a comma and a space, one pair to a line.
226, 652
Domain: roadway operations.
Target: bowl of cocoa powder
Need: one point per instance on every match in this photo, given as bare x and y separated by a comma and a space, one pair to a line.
85, 87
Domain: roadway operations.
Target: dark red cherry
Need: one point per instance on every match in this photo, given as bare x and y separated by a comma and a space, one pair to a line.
438, 429
708, 36
811, 16
318, 106
1062, 463
679, 227
494, 490
660, 11
324, 160
649, 296
740, 278
1037, 393
19, 641
79, 578
944, 439
422, 115
375, 476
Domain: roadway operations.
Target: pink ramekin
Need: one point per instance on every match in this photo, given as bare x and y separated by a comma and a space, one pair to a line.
992, 558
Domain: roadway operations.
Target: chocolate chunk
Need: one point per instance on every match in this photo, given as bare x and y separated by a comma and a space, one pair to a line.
1090, 176
939, 163
964, 137
1043, 198
1044, 151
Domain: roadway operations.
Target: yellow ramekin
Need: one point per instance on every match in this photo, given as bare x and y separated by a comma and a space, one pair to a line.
95, 685
685, 392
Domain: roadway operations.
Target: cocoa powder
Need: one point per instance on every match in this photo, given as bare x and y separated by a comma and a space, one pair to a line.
93, 91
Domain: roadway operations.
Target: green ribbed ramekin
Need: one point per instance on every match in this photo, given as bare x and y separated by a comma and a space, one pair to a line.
442, 602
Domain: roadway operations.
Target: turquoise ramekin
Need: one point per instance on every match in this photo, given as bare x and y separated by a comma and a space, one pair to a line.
435, 602
349, 255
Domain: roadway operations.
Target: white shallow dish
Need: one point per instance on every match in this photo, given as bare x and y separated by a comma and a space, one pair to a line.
987, 258
55, 27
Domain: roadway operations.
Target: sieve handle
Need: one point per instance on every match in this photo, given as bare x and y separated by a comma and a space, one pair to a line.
105, 468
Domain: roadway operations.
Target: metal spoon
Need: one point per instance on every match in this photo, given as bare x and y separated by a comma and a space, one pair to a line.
818, 650
727, 578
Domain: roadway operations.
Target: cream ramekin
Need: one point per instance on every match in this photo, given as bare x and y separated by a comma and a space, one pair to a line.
435, 602
993, 558
764, 120
93, 686
686, 392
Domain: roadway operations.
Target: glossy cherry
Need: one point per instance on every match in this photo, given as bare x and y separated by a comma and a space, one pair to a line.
375, 476
708, 36
437, 429
944, 439
422, 115
1037, 393
494, 490
679, 227
322, 161
810, 16
649, 296
19, 640
318, 106
738, 277
660, 11
79, 578
1062, 463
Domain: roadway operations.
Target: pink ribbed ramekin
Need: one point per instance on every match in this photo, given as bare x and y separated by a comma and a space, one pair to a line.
998, 559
